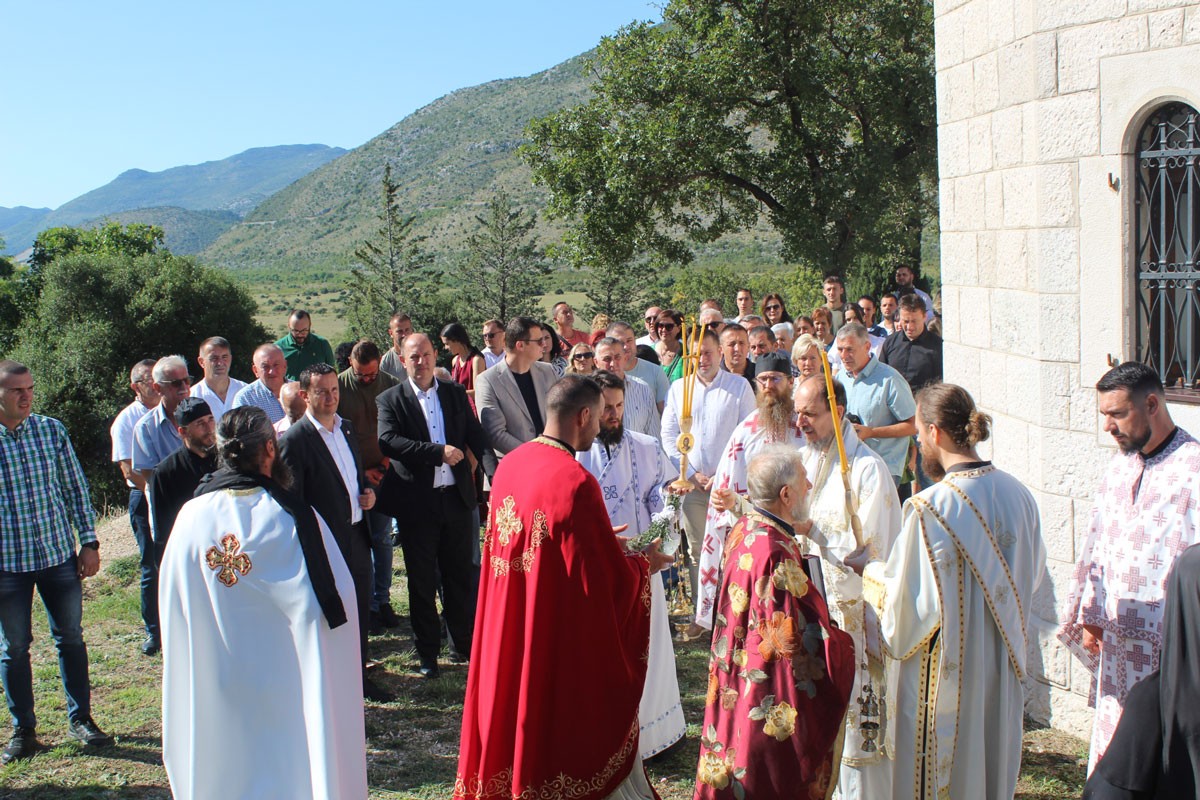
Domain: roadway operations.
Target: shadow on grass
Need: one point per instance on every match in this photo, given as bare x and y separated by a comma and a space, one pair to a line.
49, 791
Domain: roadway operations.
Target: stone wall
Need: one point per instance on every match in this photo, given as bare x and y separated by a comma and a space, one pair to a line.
1039, 102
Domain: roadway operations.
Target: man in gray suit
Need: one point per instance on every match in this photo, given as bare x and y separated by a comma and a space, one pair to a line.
511, 396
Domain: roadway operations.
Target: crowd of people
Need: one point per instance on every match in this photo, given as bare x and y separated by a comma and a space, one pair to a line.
865, 578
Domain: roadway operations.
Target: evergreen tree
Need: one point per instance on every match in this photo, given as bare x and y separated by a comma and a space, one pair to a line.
502, 272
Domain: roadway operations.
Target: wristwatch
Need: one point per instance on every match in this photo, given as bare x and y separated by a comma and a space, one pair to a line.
91, 545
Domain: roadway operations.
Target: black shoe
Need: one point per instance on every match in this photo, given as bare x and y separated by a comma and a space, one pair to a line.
457, 657
375, 693
151, 645
88, 732
387, 615
23, 744
374, 624
428, 670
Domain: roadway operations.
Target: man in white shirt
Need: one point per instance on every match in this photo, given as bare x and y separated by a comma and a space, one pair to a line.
493, 343
647, 371
641, 412
145, 399
720, 401
651, 320
217, 389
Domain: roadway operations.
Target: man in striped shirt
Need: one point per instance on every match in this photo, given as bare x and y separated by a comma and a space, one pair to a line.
43, 495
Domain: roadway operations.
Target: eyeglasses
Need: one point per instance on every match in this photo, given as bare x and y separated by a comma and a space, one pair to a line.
769, 378
650, 320
775, 307
491, 335
582, 356
712, 326
179, 383
667, 326
298, 331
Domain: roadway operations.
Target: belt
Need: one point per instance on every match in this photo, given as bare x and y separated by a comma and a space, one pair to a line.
450, 488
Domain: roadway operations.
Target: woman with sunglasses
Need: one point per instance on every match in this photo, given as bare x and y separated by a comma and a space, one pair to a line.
774, 311
468, 361
669, 346
582, 360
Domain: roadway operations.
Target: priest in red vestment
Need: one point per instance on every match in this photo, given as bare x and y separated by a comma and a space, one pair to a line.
562, 630
780, 675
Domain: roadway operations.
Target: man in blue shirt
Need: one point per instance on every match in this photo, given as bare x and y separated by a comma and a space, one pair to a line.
879, 397
43, 495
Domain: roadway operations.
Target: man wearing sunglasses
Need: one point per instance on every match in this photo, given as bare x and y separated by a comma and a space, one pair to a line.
651, 320
493, 343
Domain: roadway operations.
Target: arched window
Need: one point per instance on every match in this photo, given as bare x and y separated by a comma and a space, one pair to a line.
1166, 246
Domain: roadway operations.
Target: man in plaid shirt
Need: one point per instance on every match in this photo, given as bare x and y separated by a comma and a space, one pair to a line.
43, 495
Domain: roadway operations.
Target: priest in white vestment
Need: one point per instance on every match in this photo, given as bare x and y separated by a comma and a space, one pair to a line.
772, 422
1146, 513
262, 691
953, 601
633, 472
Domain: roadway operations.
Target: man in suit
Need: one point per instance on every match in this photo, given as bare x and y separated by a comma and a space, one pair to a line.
425, 430
511, 396
321, 453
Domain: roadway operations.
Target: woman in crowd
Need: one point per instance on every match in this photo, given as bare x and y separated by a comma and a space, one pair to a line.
670, 346
582, 360
773, 309
468, 361
806, 355
599, 326
553, 351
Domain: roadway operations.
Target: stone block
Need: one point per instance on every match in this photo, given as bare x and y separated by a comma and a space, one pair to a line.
1058, 330
943, 7
1045, 53
1020, 187
959, 263
970, 202
961, 364
956, 100
986, 90
979, 140
1191, 25
1067, 127
1054, 260
951, 316
974, 301
985, 248
1083, 406
1001, 23
1007, 137
948, 35
977, 38
1068, 462
1081, 49
1024, 18
1054, 187
1165, 28
1012, 266
1053, 14
954, 149
1054, 385
993, 189
1024, 395
1014, 320
1017, 73
1138, 6
1058, 528
1010, 436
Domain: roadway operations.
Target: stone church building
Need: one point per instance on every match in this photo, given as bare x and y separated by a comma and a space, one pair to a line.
1068, 140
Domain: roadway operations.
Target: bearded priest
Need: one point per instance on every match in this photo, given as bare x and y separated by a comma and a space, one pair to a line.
562, 634
781, 672
634, 472
953, 601
772, 422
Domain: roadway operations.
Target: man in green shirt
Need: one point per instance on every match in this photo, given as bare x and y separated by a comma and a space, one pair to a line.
301, 347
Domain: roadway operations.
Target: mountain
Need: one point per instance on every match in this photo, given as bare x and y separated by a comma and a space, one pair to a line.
186, 232
236, 184
449, 158
16, 224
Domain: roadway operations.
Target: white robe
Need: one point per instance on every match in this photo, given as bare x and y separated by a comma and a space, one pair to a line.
1147, 512
864, 775
953, 601
260, 697
748, 438
631, 481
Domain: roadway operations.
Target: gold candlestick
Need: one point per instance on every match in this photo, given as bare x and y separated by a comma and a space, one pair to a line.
690, 353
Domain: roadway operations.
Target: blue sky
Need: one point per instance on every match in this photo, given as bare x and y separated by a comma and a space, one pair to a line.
91, 89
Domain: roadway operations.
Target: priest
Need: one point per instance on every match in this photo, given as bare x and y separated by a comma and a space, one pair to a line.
634, 472
563, 632
261, 689
781, 671
772, 422
953, 601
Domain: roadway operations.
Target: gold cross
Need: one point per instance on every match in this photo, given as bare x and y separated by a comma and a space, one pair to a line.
228, 560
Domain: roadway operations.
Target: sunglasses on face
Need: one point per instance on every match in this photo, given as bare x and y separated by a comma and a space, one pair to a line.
666, 326
179, 383
582, 356
775, 307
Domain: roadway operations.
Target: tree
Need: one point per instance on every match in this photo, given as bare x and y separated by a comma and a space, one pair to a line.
502, 272
394, 273
101, 313
820, 115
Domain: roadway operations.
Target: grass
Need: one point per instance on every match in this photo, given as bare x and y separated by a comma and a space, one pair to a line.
412, 743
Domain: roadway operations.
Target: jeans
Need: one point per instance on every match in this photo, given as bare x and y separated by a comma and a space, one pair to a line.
62, 595
380, 528
139, 519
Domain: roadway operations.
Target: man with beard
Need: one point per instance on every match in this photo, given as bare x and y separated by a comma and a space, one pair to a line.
560, 650
301, 347
953, 599
633, 473
175, 480
904, 285
781, 671
1145, 515
772, 422
259, 637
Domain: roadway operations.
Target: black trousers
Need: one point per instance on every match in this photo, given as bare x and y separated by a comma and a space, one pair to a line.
357, 552
436, 540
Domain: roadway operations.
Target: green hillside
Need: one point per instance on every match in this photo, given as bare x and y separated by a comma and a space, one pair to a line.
186, 232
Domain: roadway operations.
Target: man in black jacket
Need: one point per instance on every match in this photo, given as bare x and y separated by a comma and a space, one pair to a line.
320, 451
426, 429
176, 477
